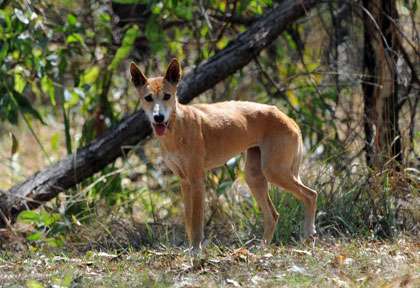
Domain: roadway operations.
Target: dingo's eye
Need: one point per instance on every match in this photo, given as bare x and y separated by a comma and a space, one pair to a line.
148, 98
166, 96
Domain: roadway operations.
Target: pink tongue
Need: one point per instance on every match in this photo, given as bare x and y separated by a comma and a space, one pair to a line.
160, 129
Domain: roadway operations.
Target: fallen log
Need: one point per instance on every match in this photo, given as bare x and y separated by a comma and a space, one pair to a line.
85, 162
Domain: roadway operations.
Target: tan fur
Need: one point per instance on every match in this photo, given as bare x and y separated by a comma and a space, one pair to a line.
204, 136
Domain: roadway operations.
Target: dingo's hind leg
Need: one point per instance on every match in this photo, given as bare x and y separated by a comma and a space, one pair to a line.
280, 166
259, 187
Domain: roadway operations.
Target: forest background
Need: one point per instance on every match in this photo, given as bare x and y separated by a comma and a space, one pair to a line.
80, 172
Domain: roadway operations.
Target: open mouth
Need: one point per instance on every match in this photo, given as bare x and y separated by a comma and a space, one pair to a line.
160, 128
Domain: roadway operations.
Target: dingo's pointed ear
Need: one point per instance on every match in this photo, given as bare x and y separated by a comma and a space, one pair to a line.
137, 77
173, 74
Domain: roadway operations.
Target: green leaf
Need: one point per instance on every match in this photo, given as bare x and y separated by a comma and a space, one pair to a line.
152, 29
33, 284
126, 47
222, 43
184, 11
54, 141
35, 236
47, 87
49, 219
54, 242
67, 280
154, 33
90, 75
71, 20
105, 17
293, 99
5, 15
72, 98
4, 50
29, 217
157, 8
20, 82
75, 38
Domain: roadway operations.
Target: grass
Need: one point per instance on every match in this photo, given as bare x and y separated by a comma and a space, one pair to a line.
330, 263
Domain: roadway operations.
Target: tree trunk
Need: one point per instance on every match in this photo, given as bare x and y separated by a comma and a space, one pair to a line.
46, 184
380, 88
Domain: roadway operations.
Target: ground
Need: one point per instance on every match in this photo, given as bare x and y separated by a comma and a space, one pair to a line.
329, 263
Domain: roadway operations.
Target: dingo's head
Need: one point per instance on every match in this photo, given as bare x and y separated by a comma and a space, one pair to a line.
158, 94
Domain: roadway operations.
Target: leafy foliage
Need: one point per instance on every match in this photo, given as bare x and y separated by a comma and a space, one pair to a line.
49, 227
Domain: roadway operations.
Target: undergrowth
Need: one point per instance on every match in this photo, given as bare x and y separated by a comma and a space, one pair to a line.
139, 204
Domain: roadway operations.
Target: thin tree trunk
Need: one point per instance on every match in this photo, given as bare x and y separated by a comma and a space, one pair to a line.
380, 88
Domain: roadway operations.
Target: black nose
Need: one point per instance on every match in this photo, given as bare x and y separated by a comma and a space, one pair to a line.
158, 118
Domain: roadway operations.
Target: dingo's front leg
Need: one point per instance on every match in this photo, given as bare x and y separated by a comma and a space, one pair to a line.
193, 196
186, 198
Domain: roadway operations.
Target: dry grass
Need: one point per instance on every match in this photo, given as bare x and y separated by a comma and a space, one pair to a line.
330, 263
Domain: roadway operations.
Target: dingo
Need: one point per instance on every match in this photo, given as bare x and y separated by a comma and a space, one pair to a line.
196, 138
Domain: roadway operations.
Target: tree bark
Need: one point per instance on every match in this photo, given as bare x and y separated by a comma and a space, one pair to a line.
46, 184
380, 87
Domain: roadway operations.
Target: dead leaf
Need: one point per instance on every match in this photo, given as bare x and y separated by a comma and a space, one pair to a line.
298, 270
15, 144
243, 254
233, 282
339, 260
302, 252
106, 255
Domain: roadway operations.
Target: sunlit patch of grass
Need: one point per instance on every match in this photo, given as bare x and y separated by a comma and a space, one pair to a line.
343, 263
294, 280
